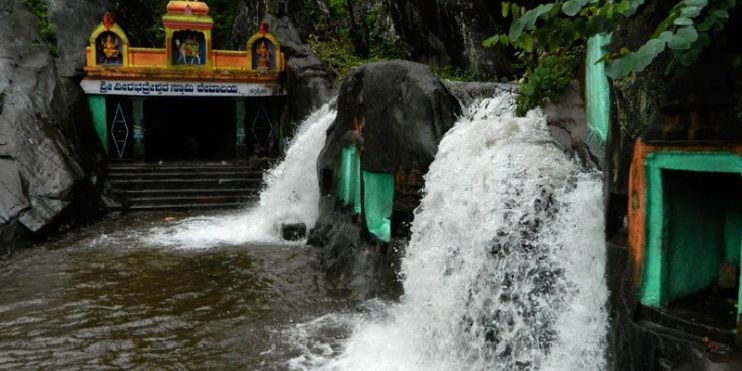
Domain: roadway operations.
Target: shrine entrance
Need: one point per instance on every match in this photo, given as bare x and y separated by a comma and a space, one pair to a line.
185, 101
189, 128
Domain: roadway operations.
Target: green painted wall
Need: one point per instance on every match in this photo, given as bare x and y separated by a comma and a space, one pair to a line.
378, 199
655, 289
349, 188
598, 91
695, 218
733, 231
97, 105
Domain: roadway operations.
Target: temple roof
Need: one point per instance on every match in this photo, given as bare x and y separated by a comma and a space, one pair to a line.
187, 7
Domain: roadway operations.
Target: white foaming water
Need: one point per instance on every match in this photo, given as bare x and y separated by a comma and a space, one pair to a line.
505, 267
290, 195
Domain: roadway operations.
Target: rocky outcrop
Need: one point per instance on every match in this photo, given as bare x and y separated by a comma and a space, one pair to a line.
406, 111
443, 33
41, 174
307, 79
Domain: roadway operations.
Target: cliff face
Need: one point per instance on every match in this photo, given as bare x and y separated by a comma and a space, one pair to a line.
43, 120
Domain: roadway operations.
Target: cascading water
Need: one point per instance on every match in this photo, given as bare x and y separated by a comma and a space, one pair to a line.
505, 267
290, 195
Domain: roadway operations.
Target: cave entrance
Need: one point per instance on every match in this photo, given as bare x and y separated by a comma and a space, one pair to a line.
184, 128
691, 278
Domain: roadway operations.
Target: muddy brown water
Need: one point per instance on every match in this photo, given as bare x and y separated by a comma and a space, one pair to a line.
101, 298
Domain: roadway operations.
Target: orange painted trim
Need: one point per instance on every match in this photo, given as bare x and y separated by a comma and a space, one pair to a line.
637, 210
189, 26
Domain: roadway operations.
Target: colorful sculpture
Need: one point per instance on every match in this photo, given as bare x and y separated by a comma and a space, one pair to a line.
110, 47
264, 56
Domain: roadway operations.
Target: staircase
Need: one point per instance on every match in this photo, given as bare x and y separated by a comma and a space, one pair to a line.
184, 185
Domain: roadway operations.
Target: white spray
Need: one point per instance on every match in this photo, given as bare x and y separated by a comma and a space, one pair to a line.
505, 268
290, 195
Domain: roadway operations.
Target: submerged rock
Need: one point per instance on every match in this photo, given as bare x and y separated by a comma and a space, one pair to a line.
293, 232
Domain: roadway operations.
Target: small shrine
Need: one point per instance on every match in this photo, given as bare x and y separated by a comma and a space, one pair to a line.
185, 100
685, 235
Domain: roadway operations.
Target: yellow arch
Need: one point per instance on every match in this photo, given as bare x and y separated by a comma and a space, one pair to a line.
119, 32
276, 44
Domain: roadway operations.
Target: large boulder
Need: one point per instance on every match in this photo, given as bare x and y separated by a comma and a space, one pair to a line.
406, 110
40, 167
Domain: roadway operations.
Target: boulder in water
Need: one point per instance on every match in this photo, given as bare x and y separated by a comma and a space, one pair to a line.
293, 231
395, 113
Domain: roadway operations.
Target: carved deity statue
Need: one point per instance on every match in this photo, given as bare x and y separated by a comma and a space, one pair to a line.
110, 47
264, 56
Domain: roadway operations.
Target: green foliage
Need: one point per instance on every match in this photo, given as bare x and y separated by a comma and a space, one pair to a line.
338, 56
223, 12
553, 30
546, 81
47, 31
336, 42
456, 74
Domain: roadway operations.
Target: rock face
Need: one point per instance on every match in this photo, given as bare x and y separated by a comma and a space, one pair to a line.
308, 81
406, 110
41, 120
441, 33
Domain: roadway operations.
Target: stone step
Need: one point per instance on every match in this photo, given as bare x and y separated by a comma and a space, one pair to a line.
150, 186
181, 169
192, 206
252, 175
182, 200
136, 193
248, 184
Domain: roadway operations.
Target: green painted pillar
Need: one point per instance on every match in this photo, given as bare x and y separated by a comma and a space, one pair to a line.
240, 147
349, 188
137, 108
598, 94
97, 106
378, 201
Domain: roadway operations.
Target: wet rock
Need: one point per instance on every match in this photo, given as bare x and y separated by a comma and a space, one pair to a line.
293, 232
441, 33
39, 139
568, 125
406, 111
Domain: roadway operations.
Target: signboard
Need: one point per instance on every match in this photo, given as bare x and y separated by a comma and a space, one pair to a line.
158, 88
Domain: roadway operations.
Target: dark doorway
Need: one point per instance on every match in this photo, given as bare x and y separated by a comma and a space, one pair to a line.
703, 219
185, 128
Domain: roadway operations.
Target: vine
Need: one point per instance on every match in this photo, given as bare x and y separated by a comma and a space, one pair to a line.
47, 31
550, 39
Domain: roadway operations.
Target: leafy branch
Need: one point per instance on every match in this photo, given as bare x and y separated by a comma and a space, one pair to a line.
550, 39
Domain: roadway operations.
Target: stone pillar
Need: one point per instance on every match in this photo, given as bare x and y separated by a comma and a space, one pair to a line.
137, 108
97, 106
240, 147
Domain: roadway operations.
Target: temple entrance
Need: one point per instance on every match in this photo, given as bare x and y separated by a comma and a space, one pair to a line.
184, 128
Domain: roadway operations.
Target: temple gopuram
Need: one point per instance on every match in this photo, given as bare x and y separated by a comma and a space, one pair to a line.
185, 101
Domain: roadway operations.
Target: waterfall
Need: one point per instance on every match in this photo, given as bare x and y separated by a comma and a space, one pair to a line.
505, 267
290, 195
